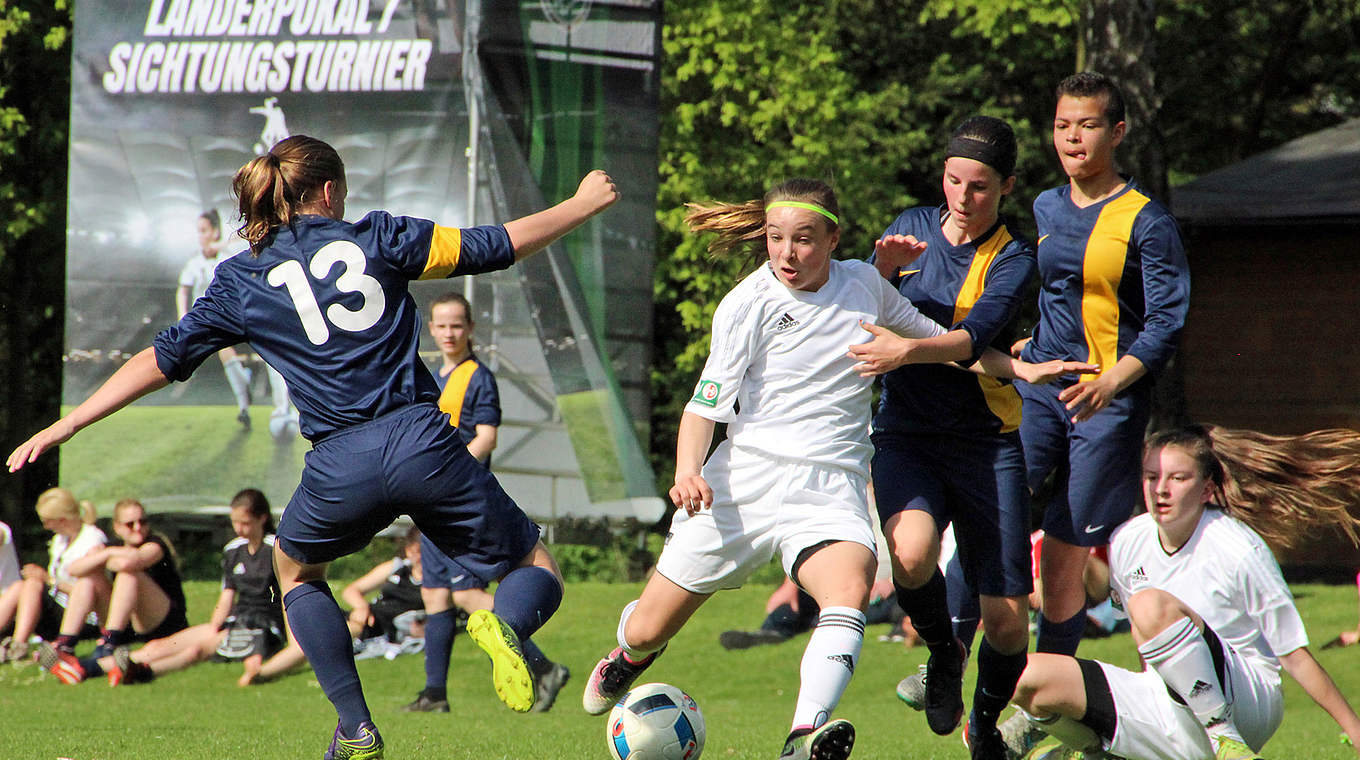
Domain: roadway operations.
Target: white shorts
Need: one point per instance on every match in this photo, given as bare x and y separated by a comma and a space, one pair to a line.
1153, 726
762, 505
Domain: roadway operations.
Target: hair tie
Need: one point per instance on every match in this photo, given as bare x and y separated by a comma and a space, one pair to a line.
806, 207
273, 159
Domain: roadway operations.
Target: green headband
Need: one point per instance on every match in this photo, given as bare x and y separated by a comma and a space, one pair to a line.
805, 206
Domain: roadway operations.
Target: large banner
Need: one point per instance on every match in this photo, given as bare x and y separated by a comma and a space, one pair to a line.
461, 111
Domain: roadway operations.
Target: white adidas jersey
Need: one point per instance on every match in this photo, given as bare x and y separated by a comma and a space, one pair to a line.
778, 371
1225, 573
198, 272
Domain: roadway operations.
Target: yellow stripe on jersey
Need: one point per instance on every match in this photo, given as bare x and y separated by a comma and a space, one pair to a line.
446, 244
976, 280
451, 400
1107, 251
1002, 398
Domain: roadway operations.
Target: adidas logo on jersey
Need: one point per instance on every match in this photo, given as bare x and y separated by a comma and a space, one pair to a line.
785, 322
1199, 688
1138, 576
844, 659
240, 569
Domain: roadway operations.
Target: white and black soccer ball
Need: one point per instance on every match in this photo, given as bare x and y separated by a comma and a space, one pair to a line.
655, 721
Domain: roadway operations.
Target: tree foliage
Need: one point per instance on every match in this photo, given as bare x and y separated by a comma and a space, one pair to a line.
865, 92
34, 72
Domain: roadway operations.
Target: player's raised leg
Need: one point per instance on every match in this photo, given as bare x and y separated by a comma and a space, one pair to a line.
645, 626
525, 598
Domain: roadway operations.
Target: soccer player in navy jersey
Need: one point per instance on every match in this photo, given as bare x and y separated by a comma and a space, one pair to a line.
946, 448
1115, 286
468, 394
326, 302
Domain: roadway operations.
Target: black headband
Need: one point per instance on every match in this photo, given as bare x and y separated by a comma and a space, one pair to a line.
995, 156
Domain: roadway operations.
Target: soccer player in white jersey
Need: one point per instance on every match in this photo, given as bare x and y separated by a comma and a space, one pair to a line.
792, 475
1210, 611
194, 279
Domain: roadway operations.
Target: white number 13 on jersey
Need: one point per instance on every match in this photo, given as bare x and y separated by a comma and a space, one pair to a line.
290, 275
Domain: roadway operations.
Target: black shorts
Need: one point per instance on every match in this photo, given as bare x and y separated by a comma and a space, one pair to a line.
174, 622
49, 621
249, 633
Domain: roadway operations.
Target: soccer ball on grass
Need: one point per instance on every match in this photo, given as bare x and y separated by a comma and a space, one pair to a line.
655, 721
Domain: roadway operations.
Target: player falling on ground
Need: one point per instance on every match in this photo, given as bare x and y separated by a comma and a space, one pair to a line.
1210, 611
326, 303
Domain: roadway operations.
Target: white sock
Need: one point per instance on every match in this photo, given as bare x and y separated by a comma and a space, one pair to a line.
238, 377
828, 663
634, 654
1182, 658
1069, 731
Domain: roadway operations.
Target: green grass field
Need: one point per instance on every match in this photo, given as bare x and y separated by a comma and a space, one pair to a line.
747, 697
179, 458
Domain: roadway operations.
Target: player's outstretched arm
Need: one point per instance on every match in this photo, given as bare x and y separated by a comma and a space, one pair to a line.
887, 350
998, 364
533, 233
1310, 674
138, 377
691, 492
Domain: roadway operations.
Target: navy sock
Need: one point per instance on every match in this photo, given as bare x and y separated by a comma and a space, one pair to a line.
440, 629
1063, 637
538, 662
92, 668
119, 637
997, 675
66, 642
965, 611
929, 611
319, 628
525, 598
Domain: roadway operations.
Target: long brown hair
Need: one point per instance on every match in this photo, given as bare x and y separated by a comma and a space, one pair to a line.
1286, 487
740, 227
271, 188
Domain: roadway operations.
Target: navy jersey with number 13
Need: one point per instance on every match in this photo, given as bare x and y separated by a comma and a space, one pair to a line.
327, 304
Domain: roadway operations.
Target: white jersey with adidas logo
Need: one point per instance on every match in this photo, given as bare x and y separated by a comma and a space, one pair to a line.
778, 371
1225, 573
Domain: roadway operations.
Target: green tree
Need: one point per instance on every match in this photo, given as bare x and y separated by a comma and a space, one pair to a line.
1238, 77
34, 107
755, 92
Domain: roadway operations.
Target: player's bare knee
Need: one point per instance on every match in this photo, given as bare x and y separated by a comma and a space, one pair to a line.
1151, 610
1023, 698
1006, 634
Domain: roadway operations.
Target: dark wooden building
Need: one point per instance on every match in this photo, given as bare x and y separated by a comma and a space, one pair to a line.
1272, 342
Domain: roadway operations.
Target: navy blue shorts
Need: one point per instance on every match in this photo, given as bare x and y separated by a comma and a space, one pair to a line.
975, 482
1096, 464
357, 481
438, 570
